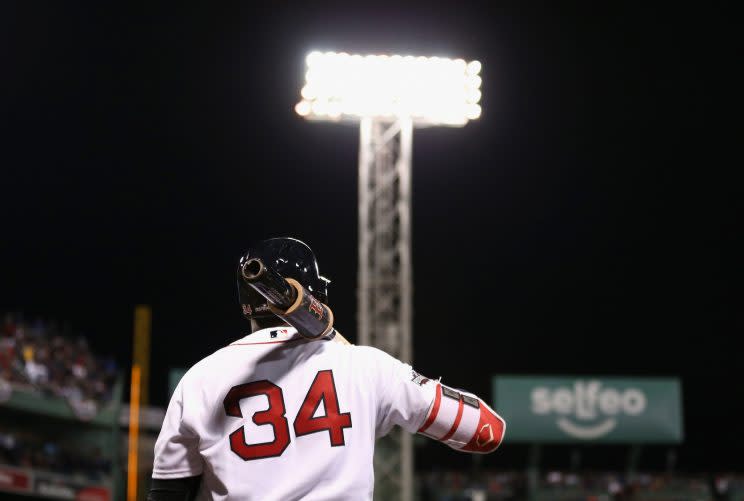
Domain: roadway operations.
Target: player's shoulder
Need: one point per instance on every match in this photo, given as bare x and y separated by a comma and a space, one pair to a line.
207, 364
368, 351
203, 366
371, 356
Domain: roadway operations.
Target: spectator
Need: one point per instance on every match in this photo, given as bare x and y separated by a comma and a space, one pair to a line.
36, 354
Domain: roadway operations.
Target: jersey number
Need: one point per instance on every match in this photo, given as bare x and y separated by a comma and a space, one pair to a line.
323, 389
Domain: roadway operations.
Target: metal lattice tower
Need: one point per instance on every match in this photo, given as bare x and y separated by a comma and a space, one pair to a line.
388, 95
385, 275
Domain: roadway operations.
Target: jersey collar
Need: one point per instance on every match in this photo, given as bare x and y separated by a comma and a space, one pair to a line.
270, 335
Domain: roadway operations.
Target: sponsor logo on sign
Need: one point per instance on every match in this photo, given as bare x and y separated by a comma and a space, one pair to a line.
12, 479
93, 494
55, 490
62, 487
588, 410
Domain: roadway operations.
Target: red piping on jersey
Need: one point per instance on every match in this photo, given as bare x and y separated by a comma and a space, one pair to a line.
455, 424
434, 409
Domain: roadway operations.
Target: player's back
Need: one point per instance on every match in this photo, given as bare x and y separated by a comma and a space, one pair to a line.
274, 416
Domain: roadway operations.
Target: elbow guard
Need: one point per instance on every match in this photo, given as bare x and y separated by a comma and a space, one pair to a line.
463, 421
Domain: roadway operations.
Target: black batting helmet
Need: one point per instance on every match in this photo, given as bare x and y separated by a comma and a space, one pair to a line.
289, 257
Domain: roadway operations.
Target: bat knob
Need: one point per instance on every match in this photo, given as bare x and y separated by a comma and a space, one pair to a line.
252, 269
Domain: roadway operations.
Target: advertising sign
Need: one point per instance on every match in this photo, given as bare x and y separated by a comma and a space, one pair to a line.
57, 486
589, 409
50, 485
14, 480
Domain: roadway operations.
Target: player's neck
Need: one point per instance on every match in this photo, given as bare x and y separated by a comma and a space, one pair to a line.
258, 324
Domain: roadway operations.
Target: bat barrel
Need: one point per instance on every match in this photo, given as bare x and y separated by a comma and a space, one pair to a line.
310, 317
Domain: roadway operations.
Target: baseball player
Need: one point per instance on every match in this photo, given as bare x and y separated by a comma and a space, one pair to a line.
277, 416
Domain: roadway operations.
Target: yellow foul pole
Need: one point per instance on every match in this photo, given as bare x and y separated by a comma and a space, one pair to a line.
138, 392
133, 434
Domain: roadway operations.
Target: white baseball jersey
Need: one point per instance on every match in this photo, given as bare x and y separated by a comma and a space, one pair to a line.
274, 416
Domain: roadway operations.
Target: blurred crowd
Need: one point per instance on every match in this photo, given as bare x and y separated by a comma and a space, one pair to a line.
27, 450
619, 486
583, 486
38, 355
463, 486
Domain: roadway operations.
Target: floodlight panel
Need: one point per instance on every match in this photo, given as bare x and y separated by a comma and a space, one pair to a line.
428, 90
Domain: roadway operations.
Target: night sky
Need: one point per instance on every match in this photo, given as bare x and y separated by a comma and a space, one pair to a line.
588, 223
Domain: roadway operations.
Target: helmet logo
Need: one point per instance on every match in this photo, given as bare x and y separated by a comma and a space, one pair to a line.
247, 310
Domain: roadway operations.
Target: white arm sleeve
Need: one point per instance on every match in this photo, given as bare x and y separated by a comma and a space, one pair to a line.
177, 446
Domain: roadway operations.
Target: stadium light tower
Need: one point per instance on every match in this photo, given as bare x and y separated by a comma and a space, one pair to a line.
388, 96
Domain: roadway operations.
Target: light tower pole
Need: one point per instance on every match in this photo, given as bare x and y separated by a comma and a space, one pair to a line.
388, 96
385, 285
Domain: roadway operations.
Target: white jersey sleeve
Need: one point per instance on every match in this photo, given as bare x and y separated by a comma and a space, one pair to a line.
404, 400
177, 446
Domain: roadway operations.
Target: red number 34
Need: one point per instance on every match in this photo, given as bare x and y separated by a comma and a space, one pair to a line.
322, 389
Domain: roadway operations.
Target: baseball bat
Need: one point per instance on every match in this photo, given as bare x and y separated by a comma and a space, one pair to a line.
291, 301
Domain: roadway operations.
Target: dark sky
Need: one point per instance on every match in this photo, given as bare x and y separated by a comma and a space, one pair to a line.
586, 224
